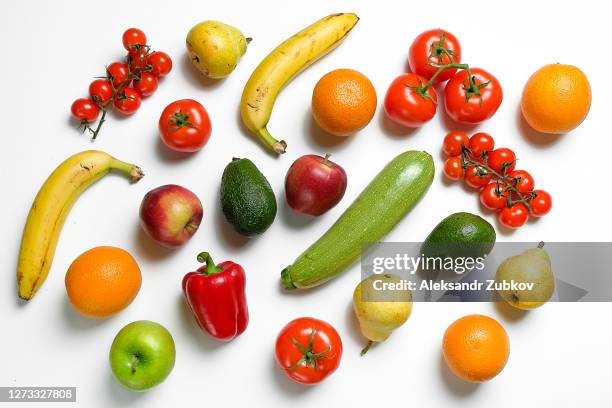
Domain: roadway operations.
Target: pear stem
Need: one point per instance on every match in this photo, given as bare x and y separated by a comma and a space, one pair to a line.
366, 348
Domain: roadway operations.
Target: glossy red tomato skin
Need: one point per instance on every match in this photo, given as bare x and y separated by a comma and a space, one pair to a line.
146, 84
189, 137
492, 197
127, 101
478, 108
473, 179
480, 143
453, 143
118, 73
419, 56
137, 59
498, 157
132, 37
288, 354
85, 109
101, 90
453, 168
541, 204
525, 181
160, 62
405, 106
514, 217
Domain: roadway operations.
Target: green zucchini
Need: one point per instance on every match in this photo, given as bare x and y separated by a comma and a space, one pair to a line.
383, 203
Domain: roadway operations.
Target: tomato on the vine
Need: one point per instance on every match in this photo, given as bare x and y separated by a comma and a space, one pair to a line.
101, 90
405, 105
454, 141
184, 126
118, 73
453, 168
434, 47
480, 143
471, 104
522, 180
493, 196
308, 350
160, 63
500, 159
85, 110
127, 101
477, 176
137, 59
515, 216
145, 84
133, 37
541, 204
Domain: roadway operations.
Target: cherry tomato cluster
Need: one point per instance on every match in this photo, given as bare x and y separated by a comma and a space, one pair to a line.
504, 189
471, 95
125, 82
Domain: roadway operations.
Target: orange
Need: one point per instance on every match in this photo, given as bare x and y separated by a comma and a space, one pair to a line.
556, 99
475, 348
343, 102
102, 281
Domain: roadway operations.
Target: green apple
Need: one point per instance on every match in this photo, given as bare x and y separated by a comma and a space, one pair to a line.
142, 355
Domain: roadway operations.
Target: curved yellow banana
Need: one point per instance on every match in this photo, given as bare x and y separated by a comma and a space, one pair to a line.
282, 64
50, 208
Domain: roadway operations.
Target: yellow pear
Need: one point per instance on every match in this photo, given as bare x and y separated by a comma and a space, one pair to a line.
381, 306
215, 48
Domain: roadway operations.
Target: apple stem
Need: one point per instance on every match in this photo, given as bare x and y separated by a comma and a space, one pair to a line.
211, 268
326, 159
134, 363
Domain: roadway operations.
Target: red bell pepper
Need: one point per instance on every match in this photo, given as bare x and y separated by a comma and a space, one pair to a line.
216, 296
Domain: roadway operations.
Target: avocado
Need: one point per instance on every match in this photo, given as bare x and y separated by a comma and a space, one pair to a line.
460, 235
247, 200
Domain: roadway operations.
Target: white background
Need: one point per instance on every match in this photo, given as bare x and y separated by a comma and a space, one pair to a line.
560, 354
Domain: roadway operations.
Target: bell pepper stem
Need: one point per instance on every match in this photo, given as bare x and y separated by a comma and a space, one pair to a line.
211, 268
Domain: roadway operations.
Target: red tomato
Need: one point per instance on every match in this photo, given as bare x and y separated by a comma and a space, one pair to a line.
101, 90
522, 181
476, 176
472, 105
405, 106
118, 73
85, 110
541, 204
453, 168
133, 37
137, 59
514, 217
493, 197
127, 101
502, 158
480, 143
184, 126
454, 142
429, 48
160, 63
308, 350
146, 84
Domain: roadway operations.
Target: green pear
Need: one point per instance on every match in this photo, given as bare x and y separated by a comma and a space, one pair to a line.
531, 266
215, 48
380, 312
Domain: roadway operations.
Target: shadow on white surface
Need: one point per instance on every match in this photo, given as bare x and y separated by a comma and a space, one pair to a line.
194, 76
119, 394
508, 313
392, 129
284, 383
532, 136
456, 386
293, 219
147, 248
321, 141
353, 326
168, 155
230, 239
445, 120
193, 331
76, 321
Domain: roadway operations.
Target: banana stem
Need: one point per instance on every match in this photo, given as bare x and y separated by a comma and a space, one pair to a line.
265, 136
134, 171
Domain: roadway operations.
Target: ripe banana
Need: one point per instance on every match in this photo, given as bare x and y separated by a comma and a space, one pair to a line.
282, 64
50, 208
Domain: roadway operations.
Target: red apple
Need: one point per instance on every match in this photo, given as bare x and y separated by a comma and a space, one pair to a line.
314, 184
170, 215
